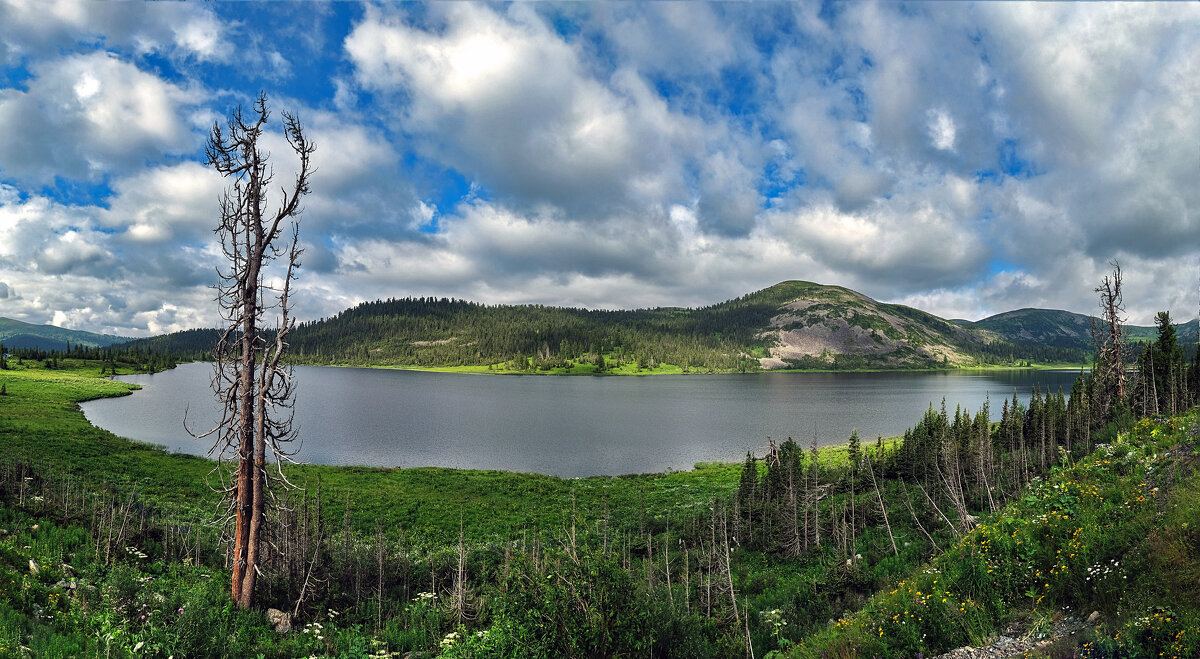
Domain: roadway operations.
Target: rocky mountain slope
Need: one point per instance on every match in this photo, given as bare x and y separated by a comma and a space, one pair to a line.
827, 326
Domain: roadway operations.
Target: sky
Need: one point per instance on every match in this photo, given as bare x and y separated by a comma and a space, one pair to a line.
964, 159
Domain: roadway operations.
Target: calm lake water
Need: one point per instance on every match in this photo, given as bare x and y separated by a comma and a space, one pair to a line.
566, 426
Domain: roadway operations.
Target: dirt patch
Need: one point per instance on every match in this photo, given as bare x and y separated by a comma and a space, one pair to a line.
439, 342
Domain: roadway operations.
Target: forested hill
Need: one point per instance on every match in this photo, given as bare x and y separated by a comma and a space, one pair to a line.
17, 334
792, 324
1064, 329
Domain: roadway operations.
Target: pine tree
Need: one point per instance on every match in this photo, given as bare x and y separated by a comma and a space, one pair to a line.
854, 453
1168, 358
747, 497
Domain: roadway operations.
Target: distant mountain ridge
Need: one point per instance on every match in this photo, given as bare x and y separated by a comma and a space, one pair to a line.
1065, 329
793, 324
18, 334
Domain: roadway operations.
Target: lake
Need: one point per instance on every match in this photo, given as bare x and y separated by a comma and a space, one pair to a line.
565, 425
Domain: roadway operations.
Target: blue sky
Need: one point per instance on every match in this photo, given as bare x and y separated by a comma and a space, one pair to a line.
966, 159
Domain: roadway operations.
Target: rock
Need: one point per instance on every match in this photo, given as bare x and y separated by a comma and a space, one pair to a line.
280, 621
33, 568
1091, 620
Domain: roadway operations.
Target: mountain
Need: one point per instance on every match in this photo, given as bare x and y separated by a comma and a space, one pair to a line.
1064, 329
830, 326
793, 324
17, 334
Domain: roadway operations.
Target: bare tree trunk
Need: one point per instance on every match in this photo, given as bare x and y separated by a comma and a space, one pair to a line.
1111, 364
459, 592
687, 582
726, 552
667, 564
379, 554
882, 506
908, 503
953, 528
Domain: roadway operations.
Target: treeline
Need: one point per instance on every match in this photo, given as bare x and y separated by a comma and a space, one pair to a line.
186, 345
446, 332
111, 358
1164, 385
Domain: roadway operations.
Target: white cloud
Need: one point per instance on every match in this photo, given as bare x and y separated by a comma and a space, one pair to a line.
942, 130
40, 28
503, 99
174, 203
87, 115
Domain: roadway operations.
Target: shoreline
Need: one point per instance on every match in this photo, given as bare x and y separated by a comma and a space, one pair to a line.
676, 370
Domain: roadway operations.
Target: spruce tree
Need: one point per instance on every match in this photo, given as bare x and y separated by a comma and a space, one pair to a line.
854, 453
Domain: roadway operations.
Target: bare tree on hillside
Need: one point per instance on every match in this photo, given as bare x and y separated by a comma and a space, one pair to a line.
1110, 366
254, 389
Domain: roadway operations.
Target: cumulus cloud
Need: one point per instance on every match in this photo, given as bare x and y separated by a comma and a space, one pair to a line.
84, 116
39, 28
942, 130
172, 203
71, 264
505, 99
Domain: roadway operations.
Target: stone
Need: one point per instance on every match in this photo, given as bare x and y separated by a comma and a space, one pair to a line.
280, 621
1091, 620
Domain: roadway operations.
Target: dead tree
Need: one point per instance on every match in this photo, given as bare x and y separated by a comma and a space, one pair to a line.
882, 505
255, 390
1106, 335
